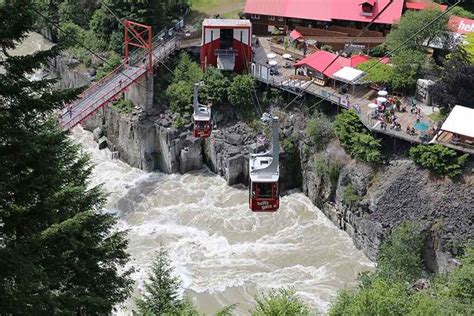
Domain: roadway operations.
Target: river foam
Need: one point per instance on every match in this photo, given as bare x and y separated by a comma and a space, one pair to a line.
224, 253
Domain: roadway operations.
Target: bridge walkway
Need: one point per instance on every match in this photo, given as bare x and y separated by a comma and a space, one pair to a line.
108, 88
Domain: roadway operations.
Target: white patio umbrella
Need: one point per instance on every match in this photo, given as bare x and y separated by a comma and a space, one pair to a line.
381, 100
271, 55
382, 93
372, 105
286, 56
273, 63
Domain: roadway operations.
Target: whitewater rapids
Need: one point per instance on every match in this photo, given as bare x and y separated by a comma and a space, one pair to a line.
222, 252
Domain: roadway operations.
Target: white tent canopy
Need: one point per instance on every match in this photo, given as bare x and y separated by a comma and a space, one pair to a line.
348, 74
460, 121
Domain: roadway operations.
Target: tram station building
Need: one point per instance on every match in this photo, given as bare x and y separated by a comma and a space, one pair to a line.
226, 44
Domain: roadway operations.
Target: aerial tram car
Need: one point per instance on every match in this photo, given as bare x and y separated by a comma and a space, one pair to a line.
201, 116
264, 170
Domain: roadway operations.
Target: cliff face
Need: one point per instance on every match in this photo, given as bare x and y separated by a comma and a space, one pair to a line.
65, 67
145, 142
386, 196
398, 192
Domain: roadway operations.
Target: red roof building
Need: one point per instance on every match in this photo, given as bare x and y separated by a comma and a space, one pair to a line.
320, 60
325, 10
295, 35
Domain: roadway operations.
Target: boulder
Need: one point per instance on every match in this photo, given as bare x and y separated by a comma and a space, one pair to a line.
233, 138
235, 169
97, 133
190, 157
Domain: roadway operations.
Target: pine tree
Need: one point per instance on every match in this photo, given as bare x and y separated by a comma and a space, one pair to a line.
161, 291
59, 252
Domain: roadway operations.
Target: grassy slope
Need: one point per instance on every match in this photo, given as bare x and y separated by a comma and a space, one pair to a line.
205, 8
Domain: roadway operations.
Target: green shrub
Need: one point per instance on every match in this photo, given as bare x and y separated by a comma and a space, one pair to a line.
459, 11
350, 196
379, 51
366, 148
241, 92
347, 123
376, 71
113, 62
216, 85
461, 280
71, 33
288, 146
82, 55
180, 91
325, 167
399, 257
388, 291
319, 131
281, 302
355, 138
272, 96
124, 106
178, 122
327, 48
380, 298
439, 159
180, 95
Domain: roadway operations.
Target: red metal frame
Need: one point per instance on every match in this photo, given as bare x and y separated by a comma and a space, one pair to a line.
141, 37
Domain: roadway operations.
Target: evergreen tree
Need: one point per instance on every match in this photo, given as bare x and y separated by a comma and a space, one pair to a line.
456, 81
281, 302
59, 253
161, 295
410, 25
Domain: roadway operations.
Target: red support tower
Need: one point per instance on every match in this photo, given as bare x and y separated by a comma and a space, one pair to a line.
138, 35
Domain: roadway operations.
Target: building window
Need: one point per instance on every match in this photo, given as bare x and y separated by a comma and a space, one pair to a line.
255, 16
271, 18
281, 19
367, 9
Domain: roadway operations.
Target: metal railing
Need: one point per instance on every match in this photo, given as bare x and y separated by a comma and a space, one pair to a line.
161, 49
95, 104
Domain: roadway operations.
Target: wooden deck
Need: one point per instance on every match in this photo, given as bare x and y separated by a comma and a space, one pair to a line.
446, 139
358, 100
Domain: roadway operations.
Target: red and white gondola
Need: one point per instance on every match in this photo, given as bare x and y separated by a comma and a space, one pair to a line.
201, 116
264, 172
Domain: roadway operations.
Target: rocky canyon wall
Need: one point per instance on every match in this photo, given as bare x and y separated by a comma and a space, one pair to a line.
385, 196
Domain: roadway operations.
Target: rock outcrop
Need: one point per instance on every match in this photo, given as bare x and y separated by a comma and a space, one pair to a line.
148, 143
65, 67
390, 195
